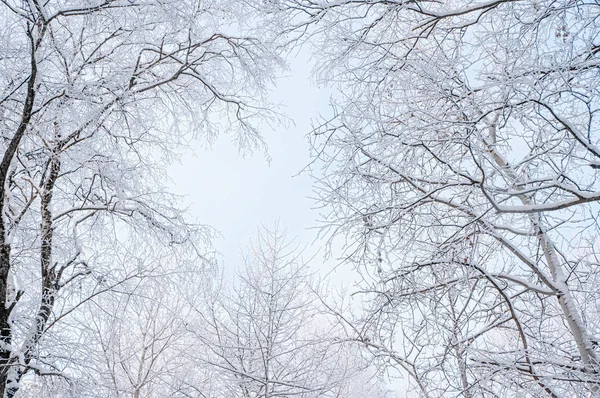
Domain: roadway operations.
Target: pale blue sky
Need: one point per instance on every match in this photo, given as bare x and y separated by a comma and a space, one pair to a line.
236, 194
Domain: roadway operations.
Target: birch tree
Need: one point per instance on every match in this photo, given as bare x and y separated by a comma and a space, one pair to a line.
96, 98
461, 167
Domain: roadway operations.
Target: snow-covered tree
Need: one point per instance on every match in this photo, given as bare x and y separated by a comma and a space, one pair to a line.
138, 345
268, 335
96, 98
462, 167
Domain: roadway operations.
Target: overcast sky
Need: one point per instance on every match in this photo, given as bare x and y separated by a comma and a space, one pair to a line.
236, 194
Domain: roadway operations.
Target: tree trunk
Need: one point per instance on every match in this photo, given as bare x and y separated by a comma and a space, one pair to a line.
5, 260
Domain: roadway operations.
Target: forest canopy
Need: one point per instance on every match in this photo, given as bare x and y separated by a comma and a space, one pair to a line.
459, 168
